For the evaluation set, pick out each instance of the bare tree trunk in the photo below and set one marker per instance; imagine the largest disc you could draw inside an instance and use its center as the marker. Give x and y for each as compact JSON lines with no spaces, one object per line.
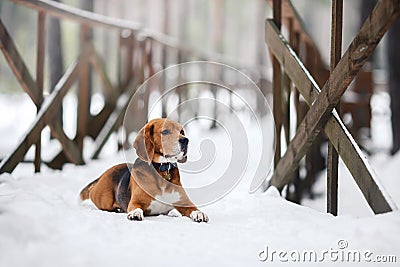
{"x":393,"y":54}
{"x":56,"y":64}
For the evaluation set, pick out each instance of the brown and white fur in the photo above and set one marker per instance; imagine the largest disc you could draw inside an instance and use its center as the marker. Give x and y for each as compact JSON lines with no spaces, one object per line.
{"x":123,"y":187}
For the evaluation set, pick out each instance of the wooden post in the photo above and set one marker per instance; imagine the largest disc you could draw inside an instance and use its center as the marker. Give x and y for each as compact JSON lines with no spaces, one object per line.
{"x":55,"y":56}
{"x":45,"y":115}
{"x":126,"y":47}
{"x":18,"y":66}
{"x":286,"y":84}
{"x":164,"y":64}
{"x":164,"y":60}
{"x":120,"y":54}
{"x":294,"y":40}
{"x":287,"y":91}
{"x":41,"y":37}
{"x":129,"y":64}
{"x":348,"y":149}
{"x":362,"y":46}
{"x":333,"y":158}
{"x":180,"y":89}
{"x":276,"y":82}
{"x":393,"y":54}
{"x":84,"y":90}
{"x":146,"y":63}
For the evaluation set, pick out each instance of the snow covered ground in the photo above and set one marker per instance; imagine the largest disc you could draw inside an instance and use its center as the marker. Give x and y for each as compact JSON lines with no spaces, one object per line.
{"x":42,"y":223}
{"x":386,"y":167}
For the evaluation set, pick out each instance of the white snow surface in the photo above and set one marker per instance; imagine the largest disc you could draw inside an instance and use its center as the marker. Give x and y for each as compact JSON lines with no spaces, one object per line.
{"x":42,"y":223}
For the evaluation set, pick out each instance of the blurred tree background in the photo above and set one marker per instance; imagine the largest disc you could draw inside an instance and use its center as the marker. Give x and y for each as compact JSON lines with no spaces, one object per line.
{"x":234,"y":28}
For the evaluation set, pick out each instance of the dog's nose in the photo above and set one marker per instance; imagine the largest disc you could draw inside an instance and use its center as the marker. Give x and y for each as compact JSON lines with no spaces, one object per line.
{"x":184,"y":141}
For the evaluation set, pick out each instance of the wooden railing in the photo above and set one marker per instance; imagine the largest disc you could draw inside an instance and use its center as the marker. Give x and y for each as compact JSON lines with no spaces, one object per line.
{"x":322,"y":101}
{"x":136,"y":51}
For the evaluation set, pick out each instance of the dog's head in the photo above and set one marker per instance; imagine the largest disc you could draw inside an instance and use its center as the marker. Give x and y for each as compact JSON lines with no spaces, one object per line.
{"x":161,"y":138}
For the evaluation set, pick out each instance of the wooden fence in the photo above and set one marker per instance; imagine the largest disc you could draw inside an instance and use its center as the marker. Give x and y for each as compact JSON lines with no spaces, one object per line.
{"x":136,"y":51}
{"x":322,"y":114}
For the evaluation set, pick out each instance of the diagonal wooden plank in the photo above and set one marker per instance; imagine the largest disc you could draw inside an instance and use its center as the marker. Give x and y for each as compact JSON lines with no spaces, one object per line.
{"x":96,"y":125}
{"x":70,"y":148}
{"x":97,"y":121}
{"x":99,"y":67}
{"x":18,"y":66}
{"x":45,"y":115}
{"x":354,"y":58}
{"x":116,"y":117}
{"x":351,"y":154}
{"x":290,"y":15}
{"x":124,"y":99}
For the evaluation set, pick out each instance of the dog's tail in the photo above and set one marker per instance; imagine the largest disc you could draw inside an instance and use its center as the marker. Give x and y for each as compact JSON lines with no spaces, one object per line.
{"x":85,"y":191}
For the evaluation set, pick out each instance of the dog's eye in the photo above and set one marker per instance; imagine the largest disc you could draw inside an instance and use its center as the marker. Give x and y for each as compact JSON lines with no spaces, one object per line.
{"x":165,"y":132}
{"x":182,"y":132}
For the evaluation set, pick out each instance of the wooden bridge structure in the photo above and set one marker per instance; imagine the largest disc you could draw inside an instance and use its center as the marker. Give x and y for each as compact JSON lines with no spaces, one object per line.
{"x":297,"y":69}
{"x":141,"y":53}
{"x":291,"y":73}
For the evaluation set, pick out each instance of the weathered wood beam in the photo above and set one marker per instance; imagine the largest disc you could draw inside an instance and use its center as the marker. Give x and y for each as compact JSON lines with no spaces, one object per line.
{"x":127,"y":45}
{"x":333,"y":158}
{"x":116,"y":117}
{"x":58,"y":161}
{"x":64,"y":11}
{"x":354,"y":58}
{"x":45,"y":115}
{"x":347,"y":147}
{"x":70,"y":148}
{"x":84,"y":91}
{"x":277,"y":86}
{"x":99,"y":67}
{"x":292,"y":64}
{"x":290,"y":15}
{"x":41,"y":41}
{"x":18,"y":66}
{"x":97,"y":121}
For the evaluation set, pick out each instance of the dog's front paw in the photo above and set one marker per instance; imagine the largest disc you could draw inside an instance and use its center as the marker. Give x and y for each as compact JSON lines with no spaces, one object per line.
{"x":135,"y":215}
{"x":198,"y":216}
{"x":174,"y":213}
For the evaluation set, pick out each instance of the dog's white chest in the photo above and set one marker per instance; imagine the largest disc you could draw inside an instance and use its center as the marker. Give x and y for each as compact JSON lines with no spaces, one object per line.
{"x":163,"y":203}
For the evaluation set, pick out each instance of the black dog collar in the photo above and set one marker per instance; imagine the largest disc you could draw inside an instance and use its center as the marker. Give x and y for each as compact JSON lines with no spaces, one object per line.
{"x":162,"y":167}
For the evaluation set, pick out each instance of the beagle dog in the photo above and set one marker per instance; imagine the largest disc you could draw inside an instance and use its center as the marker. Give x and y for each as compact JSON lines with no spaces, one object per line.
{"x":151,"y":185}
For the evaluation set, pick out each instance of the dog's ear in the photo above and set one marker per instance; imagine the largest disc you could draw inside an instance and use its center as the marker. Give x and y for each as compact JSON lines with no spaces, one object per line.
{"x":144,"y":144}
{"x":184,"y":159}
